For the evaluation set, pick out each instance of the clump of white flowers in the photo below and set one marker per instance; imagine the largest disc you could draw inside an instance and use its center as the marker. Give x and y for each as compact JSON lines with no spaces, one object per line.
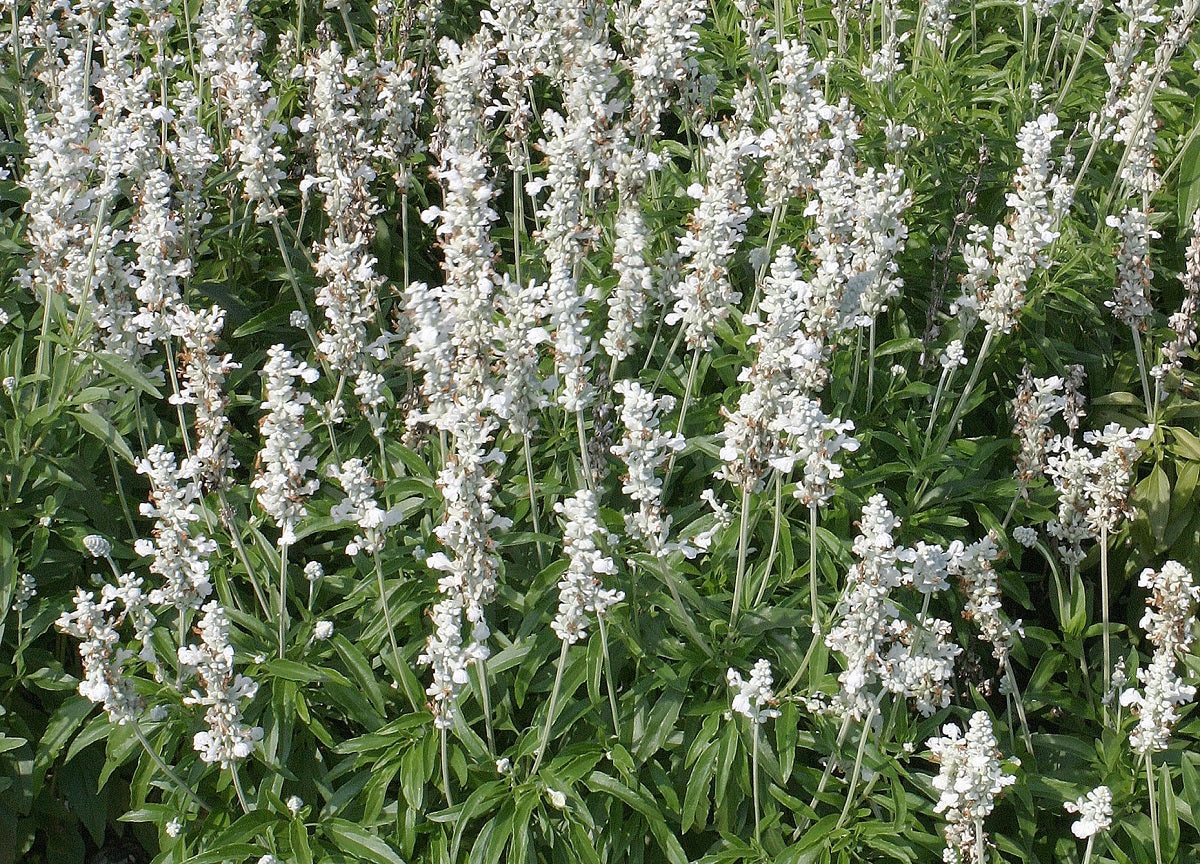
{"x":753,"y":696}
{"x":1168,"y":622}
{"x":581,"y":589}
{"x":1095,"y":812}
{"x":970,"y":779}
{"x":228,"y":738}
{"x":999,"y":267}
{"x":282,"y":481}
{"x":360,"y":507}
{"x":644,"y":448}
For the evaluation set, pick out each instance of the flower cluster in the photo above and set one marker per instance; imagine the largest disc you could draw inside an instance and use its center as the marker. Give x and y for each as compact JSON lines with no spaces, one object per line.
{"x":282,"y":481}
{"x":643,"y":449}
{"x":753,"y":697}
{"x":360,"y":507}
{"x":969,"y":780}
{"x":1095,"y":812}
{"x":228,"y":739}
{"x":581,"y":590}
{"x":1168,"y":622}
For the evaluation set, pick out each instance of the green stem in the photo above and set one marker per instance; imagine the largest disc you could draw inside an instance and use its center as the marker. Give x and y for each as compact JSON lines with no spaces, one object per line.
{"x":1153,"y":807}
{"x":558,"y":677}
{"x":283,"y":622}
{"x":533,"y":509}
{"x":446,"y":768}
{"x":1104,"y":611}
{"x":775,"y":531}
{"x":743,"y":542}
{"x":167,"y":770}
{"x":944,"y":438}
{"x":858,"y":760}
{"x":812,"y":568}
{"x":486,"y":697}
{"x":608,"y":677}
{"x":754,"y":780}
{"x":387,"y":614}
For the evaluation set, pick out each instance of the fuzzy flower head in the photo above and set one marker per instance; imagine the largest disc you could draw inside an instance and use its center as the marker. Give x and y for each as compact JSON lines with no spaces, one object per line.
{"x":753,"y":697}
{"x":969,"y":781}
{"x":1095,"y":812}
{"x":580,"y":589}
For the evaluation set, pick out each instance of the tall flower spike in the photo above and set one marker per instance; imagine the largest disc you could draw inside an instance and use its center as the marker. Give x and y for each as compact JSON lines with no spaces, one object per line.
{"x":581,"y":589}
{"x":970,"y":779}
{"x":1168,"y":622}
{"x":753,"y":697}
{"x":282,"y":481}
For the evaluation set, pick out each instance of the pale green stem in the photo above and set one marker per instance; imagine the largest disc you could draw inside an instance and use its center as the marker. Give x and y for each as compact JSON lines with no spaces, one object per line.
{"x":237,"y":787}
{"x":1104,"y":610}
{"x":775,"y":531}
{"x":1019,"y":703}
{"x":1153,"y":807}
{"x":858,"y":760}
{"x":962,"y":402}
{"x":486,"y":697}
{"x":754,"y":780}
{"x":558,"y":677}
{"x":1087,"y":852}
{"x":283,"y":622}
{"x":812,"y":568}
{"x":743,"y":542}
{"x":588,"y":479}
{"x":226,"y":516}
{"x":683,"y":409}
{"x":533,"y":508}
{"x":446,"y":768}
{"x":871,"y":367}
{"x":387,"y":612}
{"x":828,"y":772}
{"x":1141,"y":361}
{"x":167,"y":770}
{"x":980,"y":843}
{"x":608,"y":677}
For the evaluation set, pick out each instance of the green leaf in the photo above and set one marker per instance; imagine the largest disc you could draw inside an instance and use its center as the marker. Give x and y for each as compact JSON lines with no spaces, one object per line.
{"x":359,"y":842}
{"x":123,"y":370}
{"x":98,"y":427}
{"x":69,"y":716}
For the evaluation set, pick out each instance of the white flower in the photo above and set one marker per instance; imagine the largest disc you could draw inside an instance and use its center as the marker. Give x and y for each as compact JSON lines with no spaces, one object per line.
{"x":295,"y":804}
{"x":227,"y":739}
{"x":313,"y":571}
{"x":1169,"y":621}
{"x":970,"y":779}
{"x":174,"y":827}
{"x":359,"y":506}
{"x":1025,"y":535}
{"x":753,"y":697}
{"x":97,"y":546}
{"x":581,"y":590}
{"x":26,"y":591}
{"x":322,"y":630}
{"x":282,"y":481}
{"x":1095,"y":812}
{"x":557,"y":798}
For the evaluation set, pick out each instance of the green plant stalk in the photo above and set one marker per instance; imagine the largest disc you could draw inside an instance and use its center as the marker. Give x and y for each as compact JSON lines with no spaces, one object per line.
{"x":1153,"y":807}
{"x":237,"y":787}
{"x":824,"y":781}
{"x":683,"y":409}
{"x":485,"y":695}
{"x":743,"y":542}
{"x":812,"y":568}
{"x":1141,"y":361}
{"x":533,"y":510}
{"x":608,"y":676}
{"x":944,"y":438}
{"x":1104,"y":612}
{"x":754,"y":780}
{"x":558,"y":677}
{"x":444,"y":747}
{"x":775,"y":530}
{"x":387,"y":613}
{"x":980,"y":846}
{"x":871,"y":366}
{"x":283,"y":622}
{"x":226,"y":517}
{"x":1019,"y":703}
{"x":1087,"y":852}
{"x":167,"y":770}
{"x":858,"y":760}
{"x":588,"y":478}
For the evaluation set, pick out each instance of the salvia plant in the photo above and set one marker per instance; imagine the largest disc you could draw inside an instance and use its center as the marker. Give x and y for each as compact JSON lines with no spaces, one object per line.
{"x":599,"y":432}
